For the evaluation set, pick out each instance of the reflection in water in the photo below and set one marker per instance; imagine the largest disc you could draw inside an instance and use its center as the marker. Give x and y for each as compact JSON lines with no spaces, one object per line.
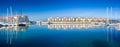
{"x":101,"y":37}
{"x":111,"y":32}
{"x":113,"y":35}
{"x":78,"y":26}
{"x":11,"y":32}
{"x":72,"y":26}
{"x":16,"y":28}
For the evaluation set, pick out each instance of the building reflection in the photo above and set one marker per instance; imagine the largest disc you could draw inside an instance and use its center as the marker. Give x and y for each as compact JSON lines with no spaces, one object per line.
{"x":71,"y":26}
{"x":79,"y":26}
{"x":111,"y":32}
{"x":12,"y":32}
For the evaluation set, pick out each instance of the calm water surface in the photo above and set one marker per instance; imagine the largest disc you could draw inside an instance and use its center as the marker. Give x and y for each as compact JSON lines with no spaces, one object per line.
{"x":44,"y":36}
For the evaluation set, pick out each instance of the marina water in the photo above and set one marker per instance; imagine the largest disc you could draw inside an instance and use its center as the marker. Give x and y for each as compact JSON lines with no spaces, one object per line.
{"x":43,"y":36}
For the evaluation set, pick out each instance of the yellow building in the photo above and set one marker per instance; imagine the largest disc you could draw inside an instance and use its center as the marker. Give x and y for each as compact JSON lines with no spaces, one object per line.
{"x":76,"y":20}
{"x":65,"y":19}
{"x":57,"y":19}
{"x":71,"y":19}
{"x":51,"y":19}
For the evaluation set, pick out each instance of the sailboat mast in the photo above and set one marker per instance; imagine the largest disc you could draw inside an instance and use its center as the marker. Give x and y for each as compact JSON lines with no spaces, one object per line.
{"x":7,"y":11}
{"x":11,"y":14}
{"x":21,"y":12}
{"x":7,"y":15}
{"x":107,"y":15}
{"x":10,"y":11}
{"x":16,"y":13}
{"x":111,"y":13}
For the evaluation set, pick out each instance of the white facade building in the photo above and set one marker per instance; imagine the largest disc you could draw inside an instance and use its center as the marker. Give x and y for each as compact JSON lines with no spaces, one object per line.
{"x":18,"y":19}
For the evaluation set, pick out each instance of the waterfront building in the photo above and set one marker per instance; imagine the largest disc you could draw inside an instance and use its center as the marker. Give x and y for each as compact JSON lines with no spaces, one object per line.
{"x":51,"y":19}
{"x":57,"y":19}
{"x":86,"y":20}
{"x":1,"y":19}
{"x":71,"y":19}
{"x":17,"y":19}
{"x":64,"y":19}
{"x":9,"y":19}
{"x":76,"y":20}
{"x":89,"y":19}
{"x":23,"y":19}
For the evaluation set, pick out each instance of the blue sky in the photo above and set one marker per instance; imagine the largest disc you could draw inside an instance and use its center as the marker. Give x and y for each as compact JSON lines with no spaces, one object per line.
{"x":42,"y":9}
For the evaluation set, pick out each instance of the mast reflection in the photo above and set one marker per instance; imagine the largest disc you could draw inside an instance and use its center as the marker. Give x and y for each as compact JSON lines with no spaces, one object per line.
{"x":12,"y":32}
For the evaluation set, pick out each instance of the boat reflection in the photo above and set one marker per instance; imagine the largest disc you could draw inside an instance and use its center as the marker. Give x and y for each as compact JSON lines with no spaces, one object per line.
{"x":14,"y":28}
